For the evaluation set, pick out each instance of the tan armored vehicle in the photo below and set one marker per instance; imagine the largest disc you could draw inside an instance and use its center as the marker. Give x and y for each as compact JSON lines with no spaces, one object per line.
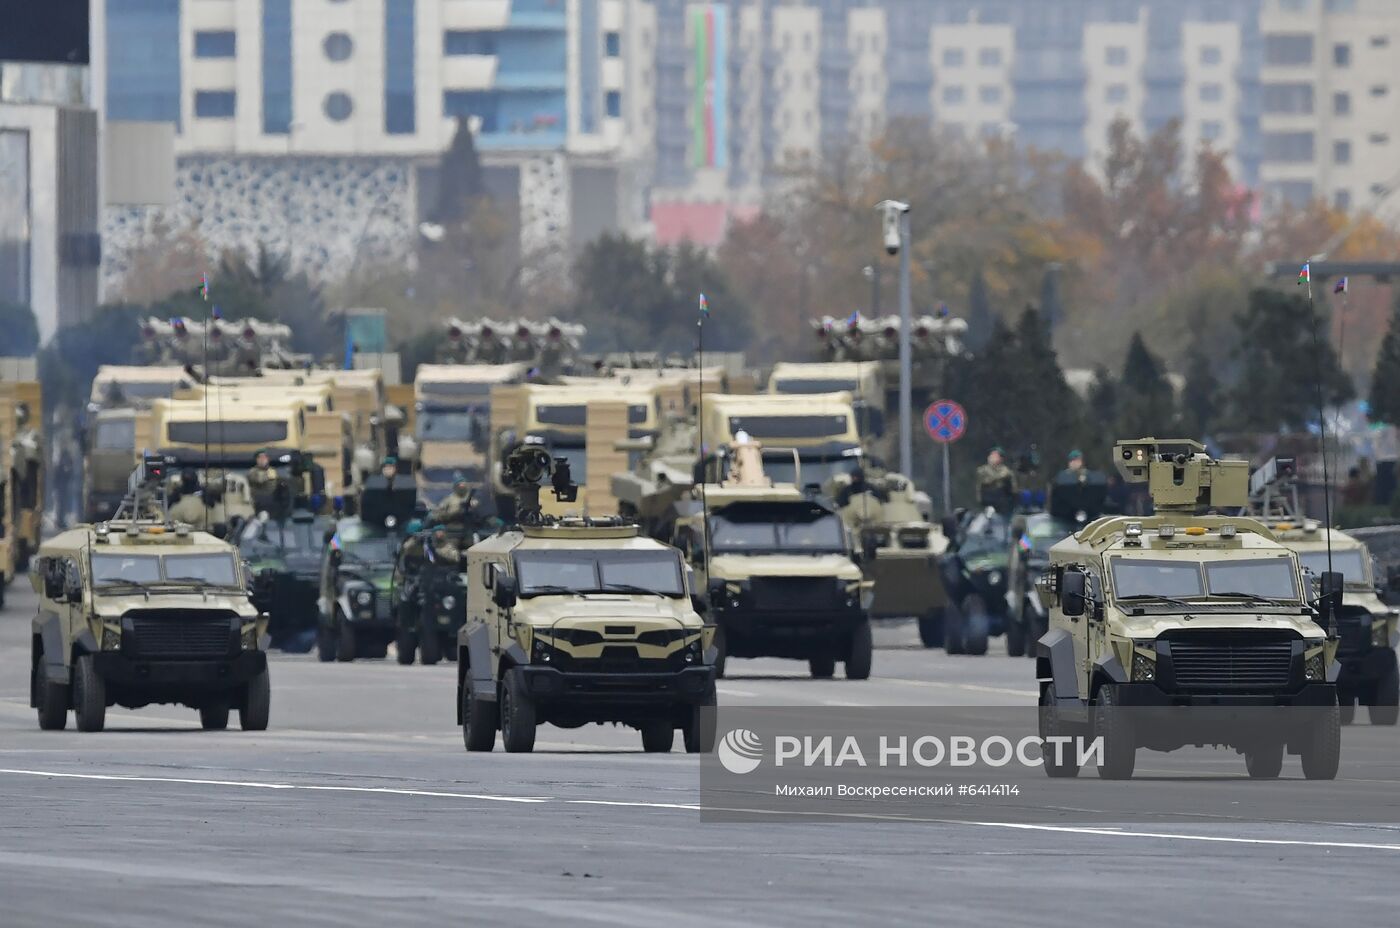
{"x":777,"y":570}
{"x":574,"y":621}
{"x":1184,"y":611}
{"x":119,"y":393}
{"x":452,"y":424}
{"x":141,"y":610}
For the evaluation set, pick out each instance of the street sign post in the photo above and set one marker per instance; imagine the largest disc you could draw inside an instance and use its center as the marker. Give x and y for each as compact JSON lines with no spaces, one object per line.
{"x":945,"y":421}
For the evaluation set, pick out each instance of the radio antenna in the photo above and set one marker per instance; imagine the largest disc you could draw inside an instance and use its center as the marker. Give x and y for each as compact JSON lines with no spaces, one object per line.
{"x":1305,"y":277}
{"x":700,"y":417}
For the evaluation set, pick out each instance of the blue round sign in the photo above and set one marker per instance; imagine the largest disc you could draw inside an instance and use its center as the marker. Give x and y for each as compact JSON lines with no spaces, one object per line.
{"x":945,"y":421}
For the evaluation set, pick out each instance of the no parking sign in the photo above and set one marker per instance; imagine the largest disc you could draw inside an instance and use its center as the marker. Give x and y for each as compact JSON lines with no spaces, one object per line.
{"x":945,"y":421}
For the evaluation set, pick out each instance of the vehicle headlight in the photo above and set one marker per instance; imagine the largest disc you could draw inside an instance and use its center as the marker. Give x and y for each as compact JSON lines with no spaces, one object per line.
{"x":364,"y":597}
{"x":993,"y":578}
{"x":1144,"y":668}
{"x":449,"y":601}
{"x":111,"y":637}
{"x":1380,"y":633}
{"x":249,"y":638}
{"x":1315,"y":667}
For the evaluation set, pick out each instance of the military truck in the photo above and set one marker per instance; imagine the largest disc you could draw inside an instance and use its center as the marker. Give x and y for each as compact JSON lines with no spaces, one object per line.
{"x":452,"y":424}
{"x":574,"y":620}
{"x":141,"y":610}
{"x":1183,"y":611}
{"x":109,"y":434}
{"x":776,"y":569}
{"x":814,"y":433}
{"x":1366,"y":626}
{"x":864,"y":380}
{"x":285,"y":558}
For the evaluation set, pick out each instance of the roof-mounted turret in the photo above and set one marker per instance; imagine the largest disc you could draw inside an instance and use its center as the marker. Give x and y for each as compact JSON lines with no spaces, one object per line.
{"x":1180,"y":475}
{"x":524,"y":470}
{"x":145,"y":499}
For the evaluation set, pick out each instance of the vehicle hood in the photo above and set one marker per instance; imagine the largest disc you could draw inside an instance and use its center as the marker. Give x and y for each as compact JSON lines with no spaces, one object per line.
{"x":739,"y":566}
{"x":113,"y":607}
{"x":646,"y":612}
{"x":1151,"y":626}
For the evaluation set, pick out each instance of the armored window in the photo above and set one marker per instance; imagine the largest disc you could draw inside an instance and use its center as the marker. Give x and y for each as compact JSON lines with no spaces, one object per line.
{"x":1272,"y":578}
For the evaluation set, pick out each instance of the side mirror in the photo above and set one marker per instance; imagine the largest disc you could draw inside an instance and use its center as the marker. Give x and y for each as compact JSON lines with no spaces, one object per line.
{"x":1329,"y":602}
{"x":1073,"y":593}
{"x":503,"y":594}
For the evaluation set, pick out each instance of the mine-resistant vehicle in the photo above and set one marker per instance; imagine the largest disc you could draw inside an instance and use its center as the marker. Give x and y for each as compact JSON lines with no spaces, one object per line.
{"x":284,"y":555}
{"x":777,"y":570}
{"x":452,"y":425}
{"x":1183,"y":628}
{"x":141,"y":610}
{"x":974,"y":574}
{"x":574,"y":620}
{"x":430,"y":597}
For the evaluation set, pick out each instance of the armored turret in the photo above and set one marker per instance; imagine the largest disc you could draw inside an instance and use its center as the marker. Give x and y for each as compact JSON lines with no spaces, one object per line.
{"x":1180,"y":475}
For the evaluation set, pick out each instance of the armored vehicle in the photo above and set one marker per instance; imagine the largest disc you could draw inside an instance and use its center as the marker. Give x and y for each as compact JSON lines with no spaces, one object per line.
{"x":1188,"y":615}
{"x":430,"y":596}
{"x":1366,"y":626}
{"x":974,"y":574}
{"x":777,"y":570}
{"x":815,"y":434}
{"x":571,"y":621}
{"x":452,"y":424}
{"x":141,"y":610}
{"x":285,"y":558}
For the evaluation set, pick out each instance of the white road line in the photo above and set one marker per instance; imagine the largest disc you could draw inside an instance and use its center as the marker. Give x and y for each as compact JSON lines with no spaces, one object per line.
{"x":731,"y":691}
{"x":1219,"y":839}
{"x":1032,"y":694}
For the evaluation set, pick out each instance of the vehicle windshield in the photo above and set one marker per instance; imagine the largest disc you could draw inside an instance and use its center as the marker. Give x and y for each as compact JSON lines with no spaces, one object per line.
{"x":828,"y":385}
{"x":776,"y":528}
{"x":1043,"y":531}
{"x":215,"y":569}
{"x":368,"y":549}
{"x":984,"y":535}
{"x":782,"y":469}
{"x":229,"y":431}
{"x":289,"y":536}
{"x":544,"y":572}
{"x":765,"y":428}
{"x":1350,"y":563}
{"x":115,"y":434}
{"x":1267,"y":578}
{"x":454,"y":388}
{"x":119,"y":568}
{"x":452,"y":425}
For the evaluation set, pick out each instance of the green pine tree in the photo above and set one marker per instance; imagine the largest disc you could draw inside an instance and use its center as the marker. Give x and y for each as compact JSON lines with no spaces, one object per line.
{"x":1282,"y":356}
{"x":1201,"y":397}
{"x":1385,"y":381}
{"x":1147,"y":405}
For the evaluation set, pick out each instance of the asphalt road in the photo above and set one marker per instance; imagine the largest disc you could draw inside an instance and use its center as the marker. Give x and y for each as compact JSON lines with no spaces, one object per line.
{"x":359,"y":807}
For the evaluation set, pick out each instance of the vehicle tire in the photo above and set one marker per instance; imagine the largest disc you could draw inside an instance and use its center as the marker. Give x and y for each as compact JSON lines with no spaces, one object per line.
{"x":975,"y":625}
{"x":1385,"y":706}
{"x":699,"y":737}
{"x":257,"y":703}
{"x":51,"y":700}
{"x":1015,"y":637}
{"x":89,"y":695}
{"x":1266,"y":762}
{"x":517,"y":716}
{"x":1119,"y":749}
{"x":1049,"y":726}
{"x":931,"y":629}
{"x":823,"y":667}
{"x":405,"y":644}
{"x":1346,"y":711}
{"x":861,"y":654}
{"x":1322,"y":749}
{"x":429,"y":645}
{"x":213,"y":715}
{"x":344,"y":642}
{"x":953,"y":630}
{"x":478,"y":719}
{"x":325,"y":644}
{"x":721,"y":651}
{"x":658,"y":737}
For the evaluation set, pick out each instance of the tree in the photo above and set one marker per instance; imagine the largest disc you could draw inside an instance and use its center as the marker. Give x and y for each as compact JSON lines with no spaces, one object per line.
{"x":19,"y":331}
{"x":1385,"y":382}
{"x":1201,"y":396}
{"x":1282,"y":358}
{"x":263,"y":287}
{"x":981,"y":319}
{"x":69,"y":362}
{"x":1146,"y":403}
{"x":1103,"y":396}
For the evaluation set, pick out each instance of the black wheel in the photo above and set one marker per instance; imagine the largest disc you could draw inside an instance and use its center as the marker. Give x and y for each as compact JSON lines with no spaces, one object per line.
{"x":478,"y":719}
{"x":975,"y":625}
{"x":1114,"y":727}
{"x":325,"y":644}
{"x":344,"y":641}
{"x":1385,"y":705}
{"x":1061,"y":763}
{"x":429,"y":644}
{"x":699,"y":731}
{"x":405,"y":644}
{"x":931,"y":629}
{"x":953,"y":630}
{"x":822,"y":667}
{"x":1265,"y":762}
{"x":721,"y":651}
{"x":89,"y":695}
{"x":1015,"y":637}
{"x":1322,"y":748}
{"x":517,"y":716}
{"x":213,"y":715}
{"x":51,"y":699}
{"x":657,"y":737}
{"x":861,"y":654}
{"x":253,"y":712}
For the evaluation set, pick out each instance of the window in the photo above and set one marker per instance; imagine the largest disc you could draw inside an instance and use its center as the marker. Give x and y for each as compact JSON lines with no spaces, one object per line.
{"x":1210,"y":54}
{"x":1341,"y":104}
{"x":1211,"y":130}
{"x":989,"y":93}
{"x":1288,"y":98}
{"x":612,"y":45}
{"x":399,"y":91}
{"x":953,"y":58}
{"x":462,"y":42}
{"x":215,"y":44}
{"x":214,"y":104}
{"x":143,"y":63}
{"x":989,"y":57}
{"x":1341,"y":199}
{"x":1341,"y":152}
{"x":614,"y":104}
{"x":338,"y":46}
{"x":1293,"y":6}
{"x":1212,"y":93}
{"x":1116,"y":93}
{"x":1379,"y":138}
{"x":1292,"y":192}
{"x":1379,"y":90}
{"x":1380,"y":41}
{"x":1295,"y":147}
{"x":1341,"y":55}
{"x":1115,"y":56}
{"x":277,"y":66}
{"x":1288,"y":50}
{"x":338,"y":106}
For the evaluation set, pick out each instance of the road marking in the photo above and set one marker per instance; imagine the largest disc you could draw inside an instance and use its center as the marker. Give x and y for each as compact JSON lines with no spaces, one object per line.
{"x":731,"y":691}
{"x":961,"y":686}
{"x":1176,"y":836}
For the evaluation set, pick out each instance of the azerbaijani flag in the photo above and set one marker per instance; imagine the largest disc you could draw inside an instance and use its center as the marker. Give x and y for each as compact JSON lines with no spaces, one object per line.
{"x":709,"y":108}
{"x":1341,"y":286}
{"x":1305,"y":274}
{"x":204,"y":286}
{"x":704,"y":306}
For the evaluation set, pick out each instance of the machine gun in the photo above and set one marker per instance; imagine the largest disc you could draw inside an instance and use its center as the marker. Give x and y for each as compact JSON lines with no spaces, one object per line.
{"x":524,"y":470}
{"x":1273,"y":491}
{"x":146,"y":497}
{"x":1180,"y":475}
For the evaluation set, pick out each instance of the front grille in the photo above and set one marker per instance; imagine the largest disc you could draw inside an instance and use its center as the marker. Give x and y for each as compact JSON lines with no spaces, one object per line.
{"x":1353,"y":631}
{"x":182,"y":636}
{"x":793,"y":594}
{"x":1232,"y":664}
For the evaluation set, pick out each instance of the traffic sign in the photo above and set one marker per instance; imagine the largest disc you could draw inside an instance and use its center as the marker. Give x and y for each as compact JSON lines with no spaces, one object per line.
{"x":945,"y":421}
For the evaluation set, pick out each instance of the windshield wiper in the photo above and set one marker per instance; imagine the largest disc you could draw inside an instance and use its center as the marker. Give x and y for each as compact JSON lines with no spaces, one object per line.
{"x":1254,"y":598}
{"x":535,"y":589}
{"x":631,"y":588}
{"x":1144,"y":597}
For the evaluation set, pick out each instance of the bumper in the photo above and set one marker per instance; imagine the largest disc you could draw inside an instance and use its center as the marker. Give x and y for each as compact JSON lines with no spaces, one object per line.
{"x":770,"y":633}
{"x":690,"y":686}
{"x":1149,"y":695}
{"x":180,"y":675}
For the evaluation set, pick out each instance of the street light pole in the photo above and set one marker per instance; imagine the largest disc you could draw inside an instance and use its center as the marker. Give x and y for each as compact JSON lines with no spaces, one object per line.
{"x":906,"y":360}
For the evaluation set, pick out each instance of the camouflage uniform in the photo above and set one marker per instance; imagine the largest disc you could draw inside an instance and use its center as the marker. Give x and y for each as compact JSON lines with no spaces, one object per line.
{"x":445,"y":552}
{"x":996,"y":486}
{"x":453,"y":510}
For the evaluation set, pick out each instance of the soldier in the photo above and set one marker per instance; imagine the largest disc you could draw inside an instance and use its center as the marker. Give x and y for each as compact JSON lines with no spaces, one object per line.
{"x":1074,"y":468}
{"x":996,"y":484}
{"x":454,"y":350}
{"x":490,"y":347}
{"x":263,"y":481}
{"x":189,"y":504}
{"x":455,"y":509}
{"x":442,"y":551}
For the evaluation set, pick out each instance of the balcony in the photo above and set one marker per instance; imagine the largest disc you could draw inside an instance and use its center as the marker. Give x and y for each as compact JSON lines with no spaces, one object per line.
{"x":521,"y":141}
{"x":538,"y":20}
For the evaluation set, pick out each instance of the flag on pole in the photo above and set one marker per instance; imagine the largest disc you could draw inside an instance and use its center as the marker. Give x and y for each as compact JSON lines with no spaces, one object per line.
{"x":1305,"y":275}
{"x":218,"y":313}
{"x":1341,"y":286}
{"x":704,"y":306}
{"x":204,"y":286}
{"x":853,"y":319}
